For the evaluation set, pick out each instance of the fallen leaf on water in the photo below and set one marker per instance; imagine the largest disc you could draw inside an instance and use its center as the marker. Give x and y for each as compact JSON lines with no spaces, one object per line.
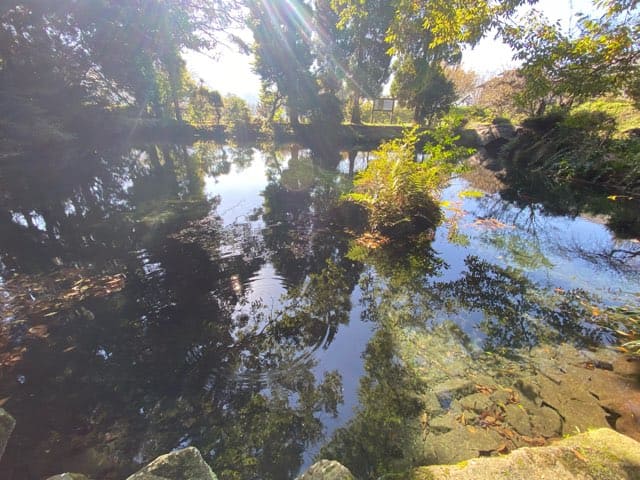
{"x":491,"y":223}
{"x":580,"y":456}
{"x":4,"y":400}
{"x":623,"y":334}
{"x":69,"y":349}
{"x":462,"y":419}
{"x":484,"y":389}
{"x":39,"y":331}
{"x":535,"y":441}
{"x":424,"y":420}
{"x":506,"y":432}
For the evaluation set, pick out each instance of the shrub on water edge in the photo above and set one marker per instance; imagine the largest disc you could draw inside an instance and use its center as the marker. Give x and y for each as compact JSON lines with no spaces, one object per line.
{"x":399,"y":187}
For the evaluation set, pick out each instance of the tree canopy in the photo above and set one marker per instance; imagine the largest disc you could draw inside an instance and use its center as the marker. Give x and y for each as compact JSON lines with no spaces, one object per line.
{"x":314,"y":57}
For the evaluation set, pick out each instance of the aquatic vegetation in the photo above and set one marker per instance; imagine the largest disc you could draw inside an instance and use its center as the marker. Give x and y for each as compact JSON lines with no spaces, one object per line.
{"x":399,"y":187}
{"x":624,"y":322}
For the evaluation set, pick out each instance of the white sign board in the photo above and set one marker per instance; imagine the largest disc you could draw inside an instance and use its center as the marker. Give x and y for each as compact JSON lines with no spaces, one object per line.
{"x":383,"y":104}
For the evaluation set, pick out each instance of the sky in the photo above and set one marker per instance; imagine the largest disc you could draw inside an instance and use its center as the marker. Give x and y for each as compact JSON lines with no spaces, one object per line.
{"x":231,"y":71}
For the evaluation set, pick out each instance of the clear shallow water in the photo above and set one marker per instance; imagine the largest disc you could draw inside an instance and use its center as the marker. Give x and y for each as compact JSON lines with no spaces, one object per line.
{"x":168,"y":295}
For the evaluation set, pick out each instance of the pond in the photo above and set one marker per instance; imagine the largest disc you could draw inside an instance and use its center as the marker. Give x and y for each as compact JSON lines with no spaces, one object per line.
{"x":159,"y":296}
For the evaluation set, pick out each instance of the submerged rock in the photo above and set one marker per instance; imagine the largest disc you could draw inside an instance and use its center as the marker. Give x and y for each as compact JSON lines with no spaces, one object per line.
{"x":7,"y":424}
{"x":327,"y":470}
{"x":479,"y":405}
{"x":599,"y":454}
{"x":185,"y":464}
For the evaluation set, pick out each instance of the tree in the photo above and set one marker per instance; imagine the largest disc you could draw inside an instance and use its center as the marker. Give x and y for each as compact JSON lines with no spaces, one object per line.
{"x":424,"y":87}
{"x":465,"y":83}
{"x":282,"y":51}
{"x":61,"y":57}
{"x":359,"y":46}
{"x":419,"y":81}
{"x":236,"y":116}
{"x":501,"y":94}
{"x":603,"y":57}
{"x":205,"y":106}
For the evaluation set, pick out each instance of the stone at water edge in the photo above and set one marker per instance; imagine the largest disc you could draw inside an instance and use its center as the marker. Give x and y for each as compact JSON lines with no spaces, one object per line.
{"x":185,"y":464}
{"x":69,"y":476}
{"x":327,"y":470}
{"x":7,"y":424}
{"x":601,"y":454}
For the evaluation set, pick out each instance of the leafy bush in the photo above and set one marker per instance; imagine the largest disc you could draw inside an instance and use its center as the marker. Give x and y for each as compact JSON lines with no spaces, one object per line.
{"x":398,"y":187}
{"x":582,"y":146}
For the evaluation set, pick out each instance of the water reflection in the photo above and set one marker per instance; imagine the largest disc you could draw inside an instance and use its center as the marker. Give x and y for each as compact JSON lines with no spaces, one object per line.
{"x":179,"y":353}
{"x":159,"y":296}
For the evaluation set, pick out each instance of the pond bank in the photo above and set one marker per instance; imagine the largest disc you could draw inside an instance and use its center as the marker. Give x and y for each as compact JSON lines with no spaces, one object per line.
{"x":599,"y":454}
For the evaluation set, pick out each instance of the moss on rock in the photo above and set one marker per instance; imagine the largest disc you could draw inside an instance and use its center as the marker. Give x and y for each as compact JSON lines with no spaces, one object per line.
{"x":601,"y":454}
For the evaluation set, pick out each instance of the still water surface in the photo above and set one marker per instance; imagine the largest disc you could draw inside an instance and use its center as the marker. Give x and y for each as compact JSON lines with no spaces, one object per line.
{"x":161,"y":296}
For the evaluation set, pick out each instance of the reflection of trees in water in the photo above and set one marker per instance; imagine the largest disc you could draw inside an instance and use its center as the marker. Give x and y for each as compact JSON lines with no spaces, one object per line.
{"x":572,"y":200}
{"x":417,"y":341}
{"x":298,"y":210}
{"x":529,"y":208}
{"x":168,"y":360}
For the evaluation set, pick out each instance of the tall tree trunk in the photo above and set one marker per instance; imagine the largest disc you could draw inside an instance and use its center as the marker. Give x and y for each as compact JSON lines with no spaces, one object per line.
{"x":293,"y":116}
{"x":356,"y":113}
{"x":174,"y":86}
{"x":352,"y":161}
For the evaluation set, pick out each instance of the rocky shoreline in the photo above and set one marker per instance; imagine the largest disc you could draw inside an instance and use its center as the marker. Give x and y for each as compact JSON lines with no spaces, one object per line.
{"x":477,"y":426}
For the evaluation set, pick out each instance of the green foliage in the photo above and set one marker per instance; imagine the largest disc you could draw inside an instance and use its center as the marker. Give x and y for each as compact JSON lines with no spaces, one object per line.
{"x":626,"y":115}
{"x":283,"y":52}
{"x":205,"y":107}
{"x":442,"y":148}
{"x":397,"y":191}
{"x":360,"y":47}
{"x":63,"y":57}
{"x":564,"y":68}
{"x":236,"y":116}
{"x":422,"y":86}
{"x":579,"y":146}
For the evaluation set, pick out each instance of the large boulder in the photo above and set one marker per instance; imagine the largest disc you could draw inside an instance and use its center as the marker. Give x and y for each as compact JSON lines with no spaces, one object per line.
{"x":485,"y":135}
{"x":601,"y":454}
{"x":185,"y":464}
{"x":327,"y":470}
{"x":7,"y":424}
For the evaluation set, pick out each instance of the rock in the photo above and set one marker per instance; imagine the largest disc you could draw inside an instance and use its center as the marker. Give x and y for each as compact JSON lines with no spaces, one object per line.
{"x":185,"y":464}
{"x":601,"y":454}
{"x":528,"y":389}
{"x":462,"y":443}
{"x":453,"y":389}
{"x":518,"y":419}
{"x":484,"y":135}
{"x":546,"y":422}
{"x":69,"y":476}
{"x":443,"y":423}
{"x":476,"y":402}
{"x":327,"y":470}
{"x":7,"y":424}
{"x":578,"y":408}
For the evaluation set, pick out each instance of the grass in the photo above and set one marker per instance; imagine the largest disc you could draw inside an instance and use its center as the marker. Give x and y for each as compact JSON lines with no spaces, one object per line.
{"x":622,"y":110}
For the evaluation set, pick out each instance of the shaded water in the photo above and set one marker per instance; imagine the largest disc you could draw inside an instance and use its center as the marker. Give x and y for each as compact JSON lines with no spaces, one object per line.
{"x":167,"y":295}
